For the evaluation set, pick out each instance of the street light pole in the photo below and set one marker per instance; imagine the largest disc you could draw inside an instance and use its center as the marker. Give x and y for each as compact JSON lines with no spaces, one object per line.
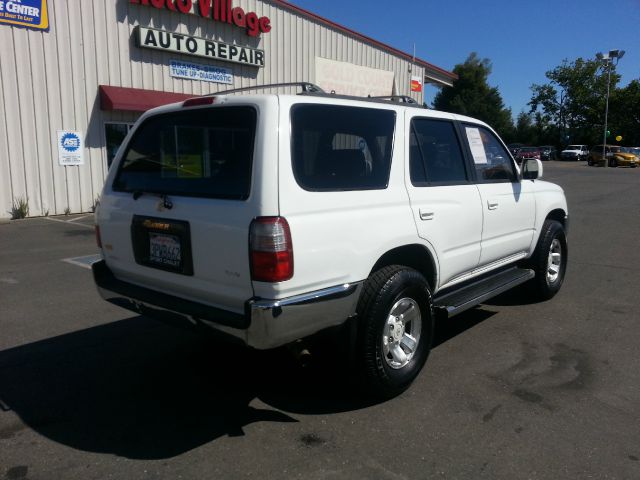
{"x":607,"y":58}
{"x":606,"y":115}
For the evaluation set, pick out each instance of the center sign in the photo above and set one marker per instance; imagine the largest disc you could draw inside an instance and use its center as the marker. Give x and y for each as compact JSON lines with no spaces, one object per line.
{"x":198,"y":47}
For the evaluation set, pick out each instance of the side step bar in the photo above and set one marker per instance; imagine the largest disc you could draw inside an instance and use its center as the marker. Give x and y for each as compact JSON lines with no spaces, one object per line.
{"x":469,"y":295}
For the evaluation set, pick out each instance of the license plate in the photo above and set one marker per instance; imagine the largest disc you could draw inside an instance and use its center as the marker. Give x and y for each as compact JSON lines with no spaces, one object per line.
{"x":165,"y":249}
{"x":162,"y":243}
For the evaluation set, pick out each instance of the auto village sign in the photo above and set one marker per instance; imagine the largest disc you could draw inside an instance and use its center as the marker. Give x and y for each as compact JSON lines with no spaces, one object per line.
{"x":215,"y":10}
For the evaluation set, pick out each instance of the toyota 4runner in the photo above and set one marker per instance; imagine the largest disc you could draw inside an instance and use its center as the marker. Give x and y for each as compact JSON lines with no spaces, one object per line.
{"x":272,"y":217}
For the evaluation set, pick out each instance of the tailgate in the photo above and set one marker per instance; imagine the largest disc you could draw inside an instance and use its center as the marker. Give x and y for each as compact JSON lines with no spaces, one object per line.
{"x":175,"y":215}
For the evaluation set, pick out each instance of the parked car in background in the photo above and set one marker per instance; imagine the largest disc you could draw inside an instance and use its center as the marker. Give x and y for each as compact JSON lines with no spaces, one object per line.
{"x":633,"y":150}
{"x":575,"y":152}
{"x":548,"y":152}
{"x":526,"y":153}
{"x":614,"y":155}
{"x":514,"y":148}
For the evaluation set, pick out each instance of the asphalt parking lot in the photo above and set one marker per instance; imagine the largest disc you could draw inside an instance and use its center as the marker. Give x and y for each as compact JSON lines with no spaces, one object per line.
{"x":511,"y":390}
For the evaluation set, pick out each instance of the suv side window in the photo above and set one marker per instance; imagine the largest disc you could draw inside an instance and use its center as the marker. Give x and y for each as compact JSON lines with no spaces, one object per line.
{"x":435,"y":156}
{"x":493,"y":162}
{"x":340,"y":148}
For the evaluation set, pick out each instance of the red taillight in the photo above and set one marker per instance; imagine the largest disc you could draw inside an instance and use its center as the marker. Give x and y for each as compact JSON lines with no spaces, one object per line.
{"x":98,"y":239}
{"x":198,"y":101}
{"x":271,"y":250}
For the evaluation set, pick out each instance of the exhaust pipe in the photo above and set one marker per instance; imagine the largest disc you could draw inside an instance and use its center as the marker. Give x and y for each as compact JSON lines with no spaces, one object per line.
{"x":301,"y":353}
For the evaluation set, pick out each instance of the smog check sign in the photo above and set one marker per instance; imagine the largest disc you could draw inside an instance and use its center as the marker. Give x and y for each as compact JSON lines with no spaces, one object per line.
{"x":31,"y":14}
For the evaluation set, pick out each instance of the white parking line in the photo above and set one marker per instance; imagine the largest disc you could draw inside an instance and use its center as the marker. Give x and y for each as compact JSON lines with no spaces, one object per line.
{"x":84,"y":262}
{"x":68,"y":221}
{"x":79,"y":218}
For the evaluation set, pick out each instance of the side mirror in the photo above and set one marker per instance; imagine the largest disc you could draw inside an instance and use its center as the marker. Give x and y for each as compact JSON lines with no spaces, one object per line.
{"x":532,"y":169}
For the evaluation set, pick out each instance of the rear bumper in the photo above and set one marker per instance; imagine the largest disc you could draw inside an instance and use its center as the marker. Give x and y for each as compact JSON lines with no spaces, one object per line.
{"x":264,"y":323}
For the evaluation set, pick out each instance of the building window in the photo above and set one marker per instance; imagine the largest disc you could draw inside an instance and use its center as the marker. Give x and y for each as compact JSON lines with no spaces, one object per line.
{"x":115,"y":134}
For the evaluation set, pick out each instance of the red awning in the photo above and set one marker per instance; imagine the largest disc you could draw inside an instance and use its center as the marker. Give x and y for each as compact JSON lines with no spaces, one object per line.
{"x":136,"y":99}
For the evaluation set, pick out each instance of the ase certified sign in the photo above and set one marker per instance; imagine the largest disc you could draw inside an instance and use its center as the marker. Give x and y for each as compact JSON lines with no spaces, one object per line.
{"x":70,"y":148}
{"x":199,"y":47}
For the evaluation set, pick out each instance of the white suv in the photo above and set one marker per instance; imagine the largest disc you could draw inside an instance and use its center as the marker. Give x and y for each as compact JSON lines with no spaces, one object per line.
{"x":272,"y":217}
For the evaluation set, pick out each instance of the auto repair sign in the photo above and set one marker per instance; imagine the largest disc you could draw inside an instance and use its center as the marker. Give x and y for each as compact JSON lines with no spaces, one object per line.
{"x":31,"y":14}
{"x":174,"y":42}
{"x":70,"y":148}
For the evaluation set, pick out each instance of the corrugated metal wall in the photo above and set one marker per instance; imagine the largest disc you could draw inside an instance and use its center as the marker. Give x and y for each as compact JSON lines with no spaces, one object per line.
{"x":49,"y":82}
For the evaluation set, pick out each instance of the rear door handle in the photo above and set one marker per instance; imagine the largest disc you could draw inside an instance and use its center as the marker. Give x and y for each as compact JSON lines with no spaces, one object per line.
{"x":492,"y":204}
{"x":426,"y":215}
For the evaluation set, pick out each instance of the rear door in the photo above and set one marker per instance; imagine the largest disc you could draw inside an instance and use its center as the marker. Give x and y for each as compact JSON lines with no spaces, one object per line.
{"x":445,"y":202}
{"x":175,"y":213}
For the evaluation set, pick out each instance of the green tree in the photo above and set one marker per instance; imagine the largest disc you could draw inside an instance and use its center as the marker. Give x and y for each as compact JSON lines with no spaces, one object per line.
{"x":535,"y":129}
{"x":525,"y":129}
{"x":624,"y":114}
{"x":471,"y":95}
{"x":573,"y":101}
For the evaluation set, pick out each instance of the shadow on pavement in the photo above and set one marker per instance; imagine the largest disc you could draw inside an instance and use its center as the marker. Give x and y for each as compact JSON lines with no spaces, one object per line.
{"x":446,"y":329}
{"x":135,"y":388}
{"x":515,"y":296}
{"x":141,"y":389}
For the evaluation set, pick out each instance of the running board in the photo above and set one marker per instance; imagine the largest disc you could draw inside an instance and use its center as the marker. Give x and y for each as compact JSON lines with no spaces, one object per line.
{"x":471,"y":294}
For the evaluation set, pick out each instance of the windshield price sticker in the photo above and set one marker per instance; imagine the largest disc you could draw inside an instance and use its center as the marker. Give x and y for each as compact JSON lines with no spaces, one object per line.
{"x":476,"y":145}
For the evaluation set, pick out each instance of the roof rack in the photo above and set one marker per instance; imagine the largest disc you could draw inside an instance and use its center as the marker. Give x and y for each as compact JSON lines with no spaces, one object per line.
{"x":396,"y":98}
{"x":311,"y":89}
{"x":306,"y":88}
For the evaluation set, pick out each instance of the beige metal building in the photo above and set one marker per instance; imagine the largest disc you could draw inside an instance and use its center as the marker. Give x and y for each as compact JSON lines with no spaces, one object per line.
{"x":75,"y":74}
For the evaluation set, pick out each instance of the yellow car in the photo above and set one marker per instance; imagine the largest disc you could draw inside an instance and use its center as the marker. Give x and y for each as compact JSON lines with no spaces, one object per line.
{"x":616,"y":157}
{"x":634,"y":150}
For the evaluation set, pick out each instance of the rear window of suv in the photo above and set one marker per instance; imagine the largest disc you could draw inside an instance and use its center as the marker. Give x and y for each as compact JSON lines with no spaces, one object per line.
{"x":338,"y":148}
{"x":195,"y":153}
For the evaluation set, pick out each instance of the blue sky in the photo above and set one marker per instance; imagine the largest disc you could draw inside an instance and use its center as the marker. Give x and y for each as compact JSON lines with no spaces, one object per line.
{"x":523,"y":39}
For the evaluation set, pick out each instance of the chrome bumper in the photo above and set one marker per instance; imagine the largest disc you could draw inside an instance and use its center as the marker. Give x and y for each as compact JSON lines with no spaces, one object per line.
{"x":264,"y":324}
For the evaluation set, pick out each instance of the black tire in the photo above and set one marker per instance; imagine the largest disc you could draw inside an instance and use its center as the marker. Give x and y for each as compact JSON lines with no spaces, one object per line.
{"x":383,"y":290}
{"x":542,"y":286}
{"x":590,"y":162}
{"x":613,"y":163}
